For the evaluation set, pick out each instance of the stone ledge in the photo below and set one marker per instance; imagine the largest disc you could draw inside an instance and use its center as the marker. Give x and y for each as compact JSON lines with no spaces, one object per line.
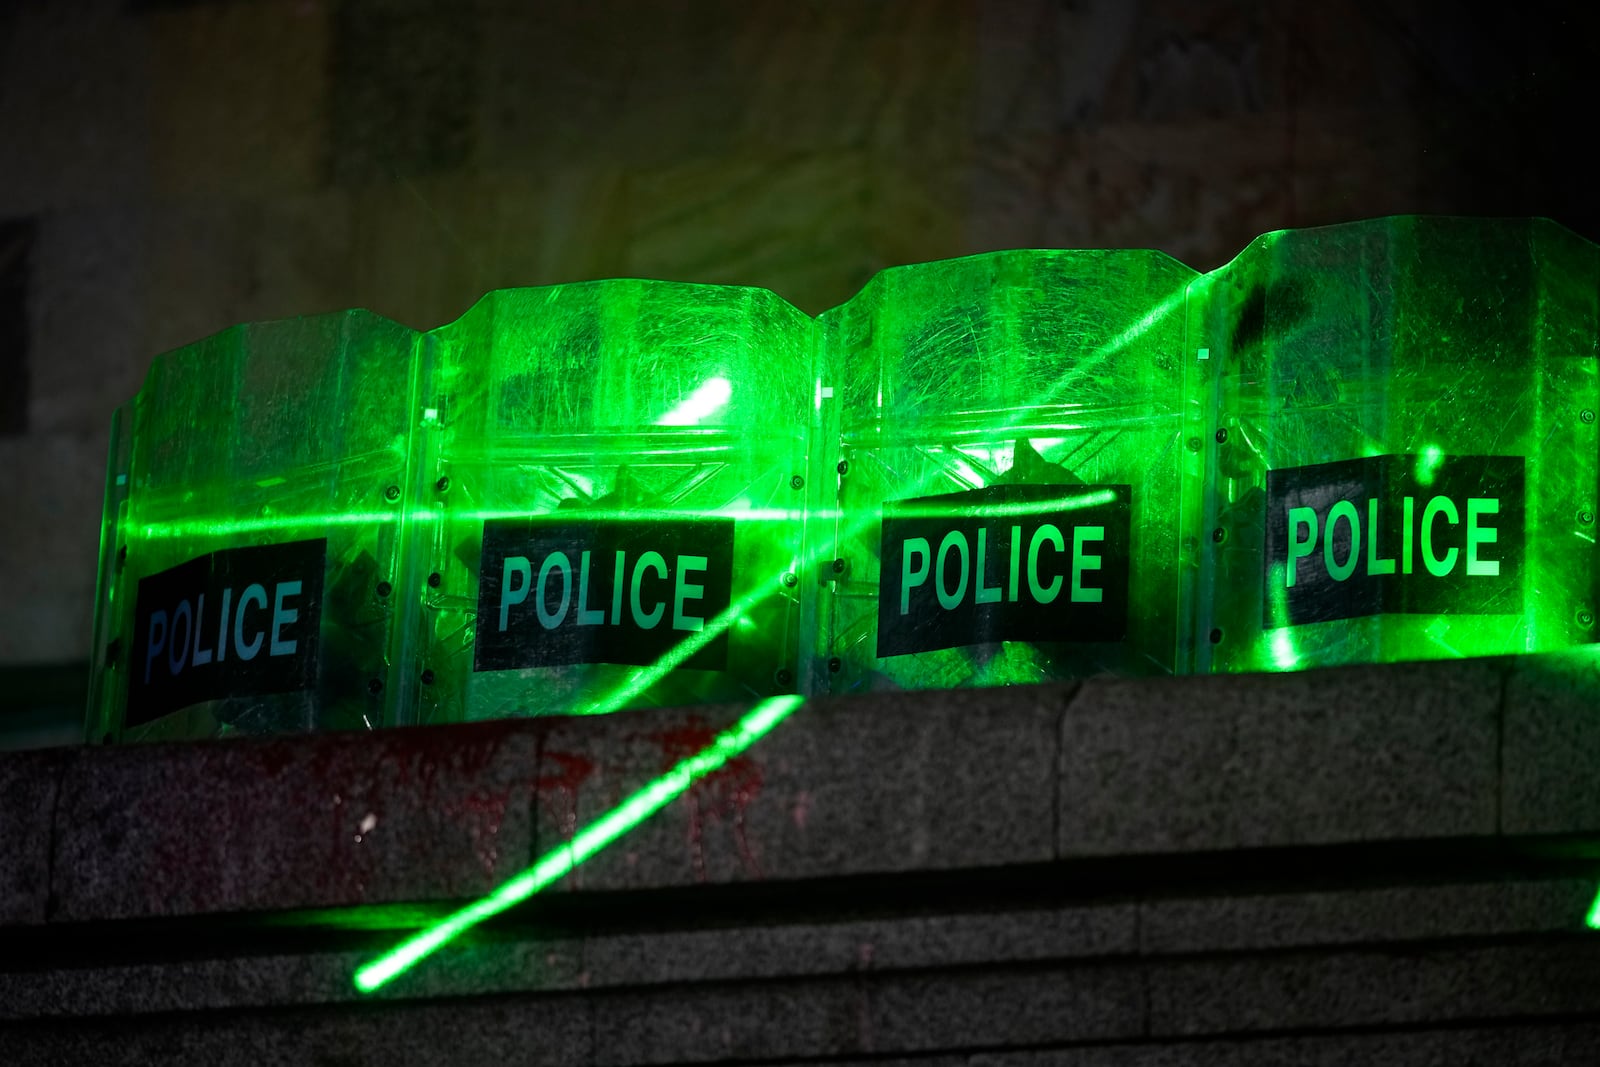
{"x":1241,"y":761}
{"x":30,"y":784}
{"x":259,"y":825}
{"x":874,"y":785}
{"x":1251,"y":933}
{"x":1280,"y":997}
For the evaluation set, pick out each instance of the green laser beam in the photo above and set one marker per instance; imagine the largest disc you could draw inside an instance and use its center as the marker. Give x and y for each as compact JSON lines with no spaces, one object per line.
{"x":211,"y":528}
{"x":1592,"y":920}
{"x":643,"y":678}
{"x":221,"y":528}
{"x":954,"y":510}
{"x":560,"y":861}
{"x":1112,"y":346}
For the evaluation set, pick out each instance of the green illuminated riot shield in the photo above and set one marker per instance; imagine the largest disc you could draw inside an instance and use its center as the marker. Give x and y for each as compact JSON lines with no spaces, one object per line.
{"x":252,"y":534}
{"x":615,"y":514}
{"x":1399,"y":444}
{"x":1005,"y":501}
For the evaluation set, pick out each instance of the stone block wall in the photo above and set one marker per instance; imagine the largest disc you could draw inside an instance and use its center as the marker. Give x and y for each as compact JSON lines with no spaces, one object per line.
{"x":1109,"y":873}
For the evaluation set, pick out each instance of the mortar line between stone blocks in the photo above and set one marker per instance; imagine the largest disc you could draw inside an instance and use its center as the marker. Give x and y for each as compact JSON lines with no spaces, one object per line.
{"x":52,"y":899}
{"x":533,"y":801}
{"x":593,"y":1057}
{"x":1059,"y":769}
{"x":1500,"y":753}
{"x":1178,"y":1041}
{"x":1146,"y":980}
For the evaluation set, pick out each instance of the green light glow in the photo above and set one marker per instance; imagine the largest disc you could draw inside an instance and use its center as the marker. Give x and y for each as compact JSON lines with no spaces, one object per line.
{"x":1285,"y":657}
{"x":1425,"y":338}
{"x":635,"y":401}
{"x":1428,"y":461}
{"x":1019,"y":368}
{"x":484,"y":449}
{"x":225,"y":529}
{"x":701,"y":404}
{"x":1436,"y":630}
{"x":645,"y":677}
{"x":642,"y":679}
{"x":1007,"y":511}
{"x":560,"y":861}
{"x":1592,"y":920}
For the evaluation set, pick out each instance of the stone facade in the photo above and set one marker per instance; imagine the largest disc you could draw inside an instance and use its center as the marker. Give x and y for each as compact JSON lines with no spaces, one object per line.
{"x":1366,"y":865}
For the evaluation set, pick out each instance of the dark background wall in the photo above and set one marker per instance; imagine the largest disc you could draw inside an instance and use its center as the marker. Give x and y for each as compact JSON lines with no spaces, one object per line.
{"x":168,"y":169}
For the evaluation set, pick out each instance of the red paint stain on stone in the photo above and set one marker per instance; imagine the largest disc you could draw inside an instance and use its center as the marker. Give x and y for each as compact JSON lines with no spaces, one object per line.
{"x":802,"y":809}
{"x":280,"y":822}
{"x":446,"y":775}
{"x":481,"y":812}
{"x":723,"y":795}
{"x":561,"y":775}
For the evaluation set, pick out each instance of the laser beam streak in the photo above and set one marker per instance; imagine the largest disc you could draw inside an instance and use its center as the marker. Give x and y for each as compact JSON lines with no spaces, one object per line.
{"x":647,"y":676}
{"x":1006,"y":511}
{"x":704,"y":402}
{"x":560,"y":861}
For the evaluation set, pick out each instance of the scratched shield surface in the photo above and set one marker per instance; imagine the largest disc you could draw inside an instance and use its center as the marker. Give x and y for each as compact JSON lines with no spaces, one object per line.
{"x":1408,"y":347}
{"x":615,"y":475}
{"x":265,"y":436}
{"x":1011,"y":379}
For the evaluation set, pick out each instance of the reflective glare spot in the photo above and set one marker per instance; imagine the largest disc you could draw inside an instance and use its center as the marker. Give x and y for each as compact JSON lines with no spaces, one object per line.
{"x":1428,"y":461}
{"x":1284,"y":656}
{"x":707,"y":400}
